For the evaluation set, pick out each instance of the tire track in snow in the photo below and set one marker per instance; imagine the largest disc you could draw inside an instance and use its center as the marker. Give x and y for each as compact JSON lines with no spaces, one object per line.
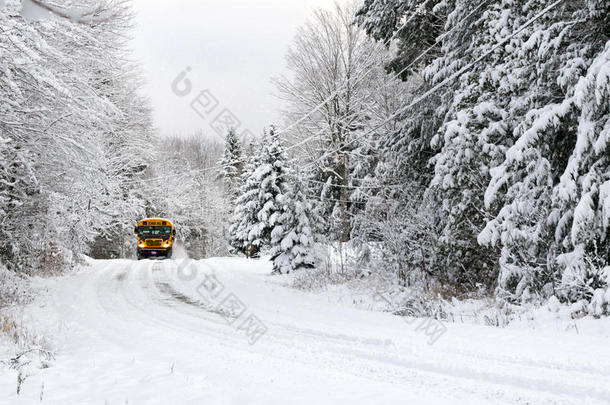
{"x":151,"y":300}
{"x":528,"y":376}
{"x":156,"y":308}
{"x":351,"y":347}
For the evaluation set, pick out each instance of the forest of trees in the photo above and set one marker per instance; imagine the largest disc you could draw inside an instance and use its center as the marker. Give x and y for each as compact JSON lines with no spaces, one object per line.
{"x":508,"y":142}
{"x":468,"y":141}
{"x":80,"y":161}
{"x":73,"y":132}
{"x":458,"y":146}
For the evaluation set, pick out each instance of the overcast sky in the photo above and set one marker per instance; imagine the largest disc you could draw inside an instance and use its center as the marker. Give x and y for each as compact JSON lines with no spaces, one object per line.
{"x":233,"y":48}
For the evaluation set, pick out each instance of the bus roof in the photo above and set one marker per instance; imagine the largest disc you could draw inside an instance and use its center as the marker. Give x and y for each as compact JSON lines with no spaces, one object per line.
{"x":155,"y":222}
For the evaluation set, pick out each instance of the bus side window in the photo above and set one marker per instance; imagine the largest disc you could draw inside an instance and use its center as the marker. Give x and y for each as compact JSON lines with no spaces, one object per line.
{"x":135,"y":230}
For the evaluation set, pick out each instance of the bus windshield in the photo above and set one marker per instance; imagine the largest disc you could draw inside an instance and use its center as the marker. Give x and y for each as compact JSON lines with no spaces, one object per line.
{"x":154,"y":230}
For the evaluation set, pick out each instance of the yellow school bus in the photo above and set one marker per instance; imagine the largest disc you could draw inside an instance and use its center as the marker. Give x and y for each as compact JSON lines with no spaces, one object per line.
{"x":155,"y":237}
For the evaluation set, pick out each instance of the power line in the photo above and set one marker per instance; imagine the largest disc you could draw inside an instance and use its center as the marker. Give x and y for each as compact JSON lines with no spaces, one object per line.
{"x":393,"y":77}
{"x":345,"y":82}
{"x":443,"y":83}
{"x":328,"y":99}
{"x":427,"y":93}
{"x":355,"y":187}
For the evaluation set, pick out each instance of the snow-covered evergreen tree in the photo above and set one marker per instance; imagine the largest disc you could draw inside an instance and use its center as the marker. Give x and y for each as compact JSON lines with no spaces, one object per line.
{"x":445,"y":127}
{"x":291,"y":237}
{"x":519,"y":150}
{"x":264,"y":182}
{"x":475,"y":135}
{"x":247,"y":206}
{"x":551,"y":224}
{"x":231,"y":162}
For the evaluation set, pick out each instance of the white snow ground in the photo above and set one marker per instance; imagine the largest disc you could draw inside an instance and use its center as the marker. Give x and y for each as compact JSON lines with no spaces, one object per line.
{"x":145,"y":332}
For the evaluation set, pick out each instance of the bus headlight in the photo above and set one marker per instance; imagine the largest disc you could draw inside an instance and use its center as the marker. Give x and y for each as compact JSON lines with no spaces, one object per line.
{"x":166,"y":245}
{"x":141,"y":244}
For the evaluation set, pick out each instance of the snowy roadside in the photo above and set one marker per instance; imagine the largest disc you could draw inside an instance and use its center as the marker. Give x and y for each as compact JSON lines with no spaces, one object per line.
{"x":336,"y":282}
{"x":140,"y":332}
{"x":359,"y":293}
{"x":26,"y":345}
{"x":23,"y":348}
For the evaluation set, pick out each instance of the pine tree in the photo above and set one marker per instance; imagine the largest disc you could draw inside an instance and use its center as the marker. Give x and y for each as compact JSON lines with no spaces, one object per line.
{"x":475,"y":135}
{"x":246,"y":206}
{"x":520,"y":139}
{"x":292,"y":237}
{"x":231,"y":163}
{"x":457,"y":126}
{"x":551,"y":184}
{"x":264,"y":183}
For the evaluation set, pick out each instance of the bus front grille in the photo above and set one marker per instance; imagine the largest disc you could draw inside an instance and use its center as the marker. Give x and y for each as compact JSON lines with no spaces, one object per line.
{"x":153,"y":242}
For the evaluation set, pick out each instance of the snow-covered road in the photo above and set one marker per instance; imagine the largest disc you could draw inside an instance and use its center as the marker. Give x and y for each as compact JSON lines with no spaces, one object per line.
{"x":146,"y":333}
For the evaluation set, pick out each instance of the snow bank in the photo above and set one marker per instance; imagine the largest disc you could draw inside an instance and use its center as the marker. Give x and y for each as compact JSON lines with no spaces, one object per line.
{"x":342,"y":277}
{"x":378,"y":295}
